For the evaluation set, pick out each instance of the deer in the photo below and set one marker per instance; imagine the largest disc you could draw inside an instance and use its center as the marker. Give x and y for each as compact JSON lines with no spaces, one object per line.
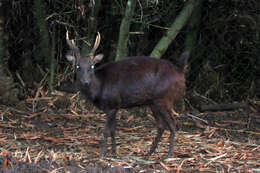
{"x":130,"y":82}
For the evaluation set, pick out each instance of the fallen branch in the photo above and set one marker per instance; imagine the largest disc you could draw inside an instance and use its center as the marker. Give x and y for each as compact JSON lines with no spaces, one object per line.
{"x":223,"y":107}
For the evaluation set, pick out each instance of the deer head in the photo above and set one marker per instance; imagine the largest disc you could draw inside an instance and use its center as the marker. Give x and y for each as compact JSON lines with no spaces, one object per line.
{"x":84,"y":64}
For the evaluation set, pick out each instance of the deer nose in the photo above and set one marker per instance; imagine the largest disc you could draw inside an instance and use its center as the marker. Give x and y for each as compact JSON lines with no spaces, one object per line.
{"x":85,"y":81}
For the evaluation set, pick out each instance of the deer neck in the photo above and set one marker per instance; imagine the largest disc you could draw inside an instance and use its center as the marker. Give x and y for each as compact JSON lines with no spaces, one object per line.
{"x":92,"y":89}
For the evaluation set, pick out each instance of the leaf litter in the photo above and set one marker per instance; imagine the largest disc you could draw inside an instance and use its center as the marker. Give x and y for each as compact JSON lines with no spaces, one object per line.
{"x":54,"y":134}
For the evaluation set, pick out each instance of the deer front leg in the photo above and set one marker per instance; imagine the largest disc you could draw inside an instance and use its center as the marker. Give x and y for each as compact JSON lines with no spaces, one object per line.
{"x":109,"y":130}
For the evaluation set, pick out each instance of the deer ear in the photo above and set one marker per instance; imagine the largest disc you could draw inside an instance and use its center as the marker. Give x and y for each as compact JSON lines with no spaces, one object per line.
{"x":98,"y":58}
{"x":70,"y":58}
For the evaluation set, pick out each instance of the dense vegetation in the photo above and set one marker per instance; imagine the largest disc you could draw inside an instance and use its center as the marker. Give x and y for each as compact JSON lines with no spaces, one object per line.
{"x":223,"y":37}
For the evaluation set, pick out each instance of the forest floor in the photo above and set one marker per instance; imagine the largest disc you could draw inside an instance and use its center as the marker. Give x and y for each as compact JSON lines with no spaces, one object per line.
{"x":58,"y":134}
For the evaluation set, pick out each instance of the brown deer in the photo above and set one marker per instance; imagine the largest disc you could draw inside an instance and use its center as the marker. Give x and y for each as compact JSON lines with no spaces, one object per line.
{"x":130,"y":82}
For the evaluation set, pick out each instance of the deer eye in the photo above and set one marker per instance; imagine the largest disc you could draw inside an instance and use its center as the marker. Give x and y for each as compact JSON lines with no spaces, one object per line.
{"x":77,"y":67}
{"x":92,"y":66}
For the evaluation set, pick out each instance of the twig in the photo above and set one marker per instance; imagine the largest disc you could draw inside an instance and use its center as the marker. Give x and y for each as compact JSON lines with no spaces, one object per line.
{"x":195,"y":117}
{"x":214,"y":159}
{"x":20,"y":78}
{"x":164,"y":166}
{"x":205,"y":98}
{"x":2,"y":114}
{"x":180,"y":166}
{"x":38,"y":157}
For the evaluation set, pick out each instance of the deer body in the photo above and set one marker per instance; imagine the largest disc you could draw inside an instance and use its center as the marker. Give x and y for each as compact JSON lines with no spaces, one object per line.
{"x":133,"y":81}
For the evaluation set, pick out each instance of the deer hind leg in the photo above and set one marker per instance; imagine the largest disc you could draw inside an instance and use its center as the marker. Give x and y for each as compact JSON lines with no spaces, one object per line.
{"x":171,"y":124}
{"x":163,"y":118}
{"x":160,"y":128}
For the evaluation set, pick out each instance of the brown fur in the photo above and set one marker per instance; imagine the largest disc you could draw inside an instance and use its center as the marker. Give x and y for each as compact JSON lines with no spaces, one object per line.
{"x":134,"y":81}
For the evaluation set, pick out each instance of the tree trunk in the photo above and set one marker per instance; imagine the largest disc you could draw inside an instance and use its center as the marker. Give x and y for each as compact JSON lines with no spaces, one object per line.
{"x":92,"y":21}
{"x":124,"y":30}
{"x":52,"y":63}
{"x":8,"y":94}
{"x":47,"y":56}
{"x":193,"y":27}
{"x":44,"y":55}
{"x":257,"y":81}
{"x":176,"y":26}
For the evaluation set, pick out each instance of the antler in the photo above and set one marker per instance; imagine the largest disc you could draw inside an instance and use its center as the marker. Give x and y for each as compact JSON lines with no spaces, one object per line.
{"x":72,"y":45}
{"x":97,"y":42}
